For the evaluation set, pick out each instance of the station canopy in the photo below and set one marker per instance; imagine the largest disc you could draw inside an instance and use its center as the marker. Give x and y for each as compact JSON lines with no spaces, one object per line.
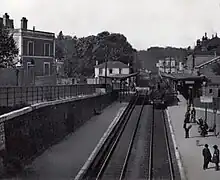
{"x":184,"y":76}
{"x":120,"y":76}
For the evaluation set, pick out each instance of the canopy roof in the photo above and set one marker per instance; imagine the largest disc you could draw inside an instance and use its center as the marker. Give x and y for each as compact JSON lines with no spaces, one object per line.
{"x":184,"y":76}
{"x":121,"y":76}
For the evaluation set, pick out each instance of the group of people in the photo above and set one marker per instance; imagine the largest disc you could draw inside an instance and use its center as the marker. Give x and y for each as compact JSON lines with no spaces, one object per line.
{"x":210,"y":158}
{"x":203,"y":127}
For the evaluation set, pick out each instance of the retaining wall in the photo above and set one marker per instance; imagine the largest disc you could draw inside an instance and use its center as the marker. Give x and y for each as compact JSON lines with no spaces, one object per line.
{"x":29,"y":134}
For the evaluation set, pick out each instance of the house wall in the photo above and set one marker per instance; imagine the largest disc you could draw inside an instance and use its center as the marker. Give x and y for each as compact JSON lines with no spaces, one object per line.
{"x":114,"y":71}
{"x":39,"y":64}
{"x":96,"y":72}
{"x":38,"y":46}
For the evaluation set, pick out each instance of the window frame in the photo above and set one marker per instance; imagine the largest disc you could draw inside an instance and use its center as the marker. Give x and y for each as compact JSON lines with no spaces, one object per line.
{"x":48,"y":49}
{"x":45,"y":68}
{"x":28,"y":50}
{"x":120,"y":70}
{"x":110,"y":70}
{"x":100,"y":71}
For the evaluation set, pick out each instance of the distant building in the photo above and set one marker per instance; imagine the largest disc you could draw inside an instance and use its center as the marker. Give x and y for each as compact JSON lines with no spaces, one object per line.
{"x":6,"y":22}
{"x":113,"y":68}
{"x":36,"y":50}
{"x":170,"y":65}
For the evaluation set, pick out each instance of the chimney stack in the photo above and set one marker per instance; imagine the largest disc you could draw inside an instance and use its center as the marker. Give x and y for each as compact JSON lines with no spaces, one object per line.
{"x":5,"y":20}
{"x":24,"y":23}
{"x":33,"y":28}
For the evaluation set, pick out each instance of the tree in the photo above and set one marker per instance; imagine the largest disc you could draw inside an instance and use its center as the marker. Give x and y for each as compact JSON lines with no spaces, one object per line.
{"x":216,"y":68}
{"x":8,"y":49}
{"x":80,"y":54}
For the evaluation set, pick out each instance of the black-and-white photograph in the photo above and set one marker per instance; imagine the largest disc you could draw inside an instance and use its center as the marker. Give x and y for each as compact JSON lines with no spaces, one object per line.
{"x":109,"y":90}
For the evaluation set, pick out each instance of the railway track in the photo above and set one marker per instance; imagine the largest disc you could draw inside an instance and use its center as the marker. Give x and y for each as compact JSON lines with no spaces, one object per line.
{"x":111,"y":162}
{"x":114,"y":161}
{"x":160,"y":160}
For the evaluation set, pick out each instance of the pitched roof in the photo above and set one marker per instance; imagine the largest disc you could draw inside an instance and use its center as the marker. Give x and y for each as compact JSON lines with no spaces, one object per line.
{"x":113,"y":64}
{"x":213,"y":60}
{"x":200,"y":59}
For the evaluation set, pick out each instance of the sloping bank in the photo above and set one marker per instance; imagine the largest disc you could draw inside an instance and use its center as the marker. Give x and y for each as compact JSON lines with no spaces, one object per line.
{"x":27,"y":132}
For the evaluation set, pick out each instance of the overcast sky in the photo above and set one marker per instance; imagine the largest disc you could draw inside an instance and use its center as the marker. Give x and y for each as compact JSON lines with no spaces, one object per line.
{"x":144,"y":22}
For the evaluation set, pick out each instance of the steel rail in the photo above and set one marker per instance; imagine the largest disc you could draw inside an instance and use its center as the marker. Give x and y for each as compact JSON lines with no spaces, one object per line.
{"x":132,"y":141}
{"x":101,"y":171}
{"x":172,"y":176}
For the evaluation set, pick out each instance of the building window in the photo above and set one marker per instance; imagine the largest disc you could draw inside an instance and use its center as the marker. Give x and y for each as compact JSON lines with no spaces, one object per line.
{"x":218,"y":92}
{"x":119,"y":70}
{"x":110,"y":71}
{"x":210,"y":90}
{"x":46,"y":68}
{"x":46,"y":49}
{"x":100,"y":71}
{"x":173,"y":64}
{"x":30,"y":48}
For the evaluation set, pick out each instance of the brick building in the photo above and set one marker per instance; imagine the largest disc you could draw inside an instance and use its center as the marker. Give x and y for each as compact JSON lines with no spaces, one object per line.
{"x":36,"y":51}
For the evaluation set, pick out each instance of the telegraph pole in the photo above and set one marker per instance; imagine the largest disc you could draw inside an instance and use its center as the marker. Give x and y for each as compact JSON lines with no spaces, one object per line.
{"x":106,"y":68}
{"x":170,"y":64}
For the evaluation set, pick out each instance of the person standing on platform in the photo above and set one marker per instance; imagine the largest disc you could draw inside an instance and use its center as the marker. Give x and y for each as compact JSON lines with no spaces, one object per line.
{"x":215,"y":158}
{"x":187,"y":117}
{"x":193,"y":115}
{"x":206,"y":156}
{"x":187,"y":130}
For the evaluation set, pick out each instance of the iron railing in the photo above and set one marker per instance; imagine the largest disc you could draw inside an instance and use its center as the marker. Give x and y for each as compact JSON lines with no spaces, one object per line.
{"x":18,"y":96}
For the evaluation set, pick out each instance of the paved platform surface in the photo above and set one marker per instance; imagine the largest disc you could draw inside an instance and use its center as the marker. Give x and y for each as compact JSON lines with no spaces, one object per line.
{"x":191,"y":154}
{"x":64,"y":160}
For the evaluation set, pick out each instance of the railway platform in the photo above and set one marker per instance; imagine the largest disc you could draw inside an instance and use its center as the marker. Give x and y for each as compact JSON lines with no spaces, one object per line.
{"x":64,"y":160}
{"x":191,"y":160}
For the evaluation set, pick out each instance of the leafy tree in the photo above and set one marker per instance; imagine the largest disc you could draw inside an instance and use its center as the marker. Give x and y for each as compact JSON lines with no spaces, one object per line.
{"x":8,"y":49}
{"x":81,"y":54}
{"x":216,"y":68}
{"x":59,"y":53}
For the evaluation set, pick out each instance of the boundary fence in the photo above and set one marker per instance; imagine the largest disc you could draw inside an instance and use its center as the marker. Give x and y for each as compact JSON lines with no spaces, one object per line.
{"x":18,"y":96}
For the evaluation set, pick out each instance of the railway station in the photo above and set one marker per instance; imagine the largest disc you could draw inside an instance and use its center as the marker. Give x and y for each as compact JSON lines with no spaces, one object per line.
{"x":136,"y":134}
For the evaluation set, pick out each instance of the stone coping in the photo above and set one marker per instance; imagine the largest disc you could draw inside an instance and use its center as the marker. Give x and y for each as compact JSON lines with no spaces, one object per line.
{"x":19,"y":112}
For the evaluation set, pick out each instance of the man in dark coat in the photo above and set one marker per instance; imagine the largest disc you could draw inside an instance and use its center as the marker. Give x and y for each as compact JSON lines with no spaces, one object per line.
{"x":215,"y":158}
{"x":193,"y":115}
{"x":187,"y":128}
{"x":207,"y":156}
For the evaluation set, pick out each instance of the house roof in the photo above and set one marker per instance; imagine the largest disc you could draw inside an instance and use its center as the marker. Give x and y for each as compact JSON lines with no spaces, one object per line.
{"x":200,"y":59}
{"x":213,"y":60}
{"x":113,"y":64}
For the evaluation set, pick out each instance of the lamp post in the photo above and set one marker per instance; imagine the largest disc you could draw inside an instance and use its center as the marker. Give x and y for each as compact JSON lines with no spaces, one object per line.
{"x":204,"y":85}
{"x":215,"y":111}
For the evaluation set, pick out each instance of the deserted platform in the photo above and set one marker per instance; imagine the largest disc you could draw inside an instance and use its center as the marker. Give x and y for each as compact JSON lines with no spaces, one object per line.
{"x":64,"y":160}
